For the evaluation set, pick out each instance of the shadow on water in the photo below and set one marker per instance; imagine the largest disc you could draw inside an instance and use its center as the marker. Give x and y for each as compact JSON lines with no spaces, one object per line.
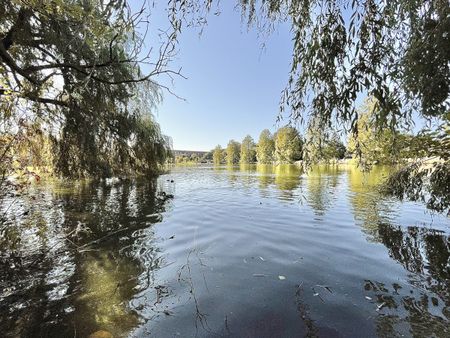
{"x":77,"y":270}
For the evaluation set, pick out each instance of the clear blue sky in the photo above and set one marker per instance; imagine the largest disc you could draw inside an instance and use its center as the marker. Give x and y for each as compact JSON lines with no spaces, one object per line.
{"x":233,"y":86}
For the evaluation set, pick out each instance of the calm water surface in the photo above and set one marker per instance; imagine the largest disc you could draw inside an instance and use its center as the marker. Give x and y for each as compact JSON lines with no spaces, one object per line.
{"x":224,"y":252}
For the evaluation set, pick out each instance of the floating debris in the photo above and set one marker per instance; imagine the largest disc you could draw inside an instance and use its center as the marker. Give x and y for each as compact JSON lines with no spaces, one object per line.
{"x":379,"y":307}
{"x":161,"y":291}
{"x":281,"y":277}
{"x":316,"y":294}
{"x":325,"y":287}
{"x":368,"y":298}
{"x":261,"y":258}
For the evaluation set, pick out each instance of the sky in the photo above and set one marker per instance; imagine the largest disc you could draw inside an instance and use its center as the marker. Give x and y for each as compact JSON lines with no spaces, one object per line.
{"x":233,"y":84}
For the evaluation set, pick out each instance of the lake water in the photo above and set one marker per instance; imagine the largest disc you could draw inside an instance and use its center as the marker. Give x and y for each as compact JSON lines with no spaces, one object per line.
{"x":250,"y":251}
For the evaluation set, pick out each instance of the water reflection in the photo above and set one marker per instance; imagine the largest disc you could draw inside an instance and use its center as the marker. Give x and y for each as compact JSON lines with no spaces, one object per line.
{"x":287,"y":180}
{"x":107,"y":282}
{"x":321,"y":185}
{"x":425,"y":253}
{"x":422,"y":251}
{"x":265,"y":177}
{"x":369,"y":207}
{"x":93,"y":250}
{"x":90,"y":257}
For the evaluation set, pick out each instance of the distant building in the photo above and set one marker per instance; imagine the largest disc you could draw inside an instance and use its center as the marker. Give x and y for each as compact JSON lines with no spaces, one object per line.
{"x":189,"y":153}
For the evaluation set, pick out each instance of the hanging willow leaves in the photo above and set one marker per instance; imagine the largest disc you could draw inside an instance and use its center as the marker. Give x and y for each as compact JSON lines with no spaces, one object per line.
{"x":76,"y":69}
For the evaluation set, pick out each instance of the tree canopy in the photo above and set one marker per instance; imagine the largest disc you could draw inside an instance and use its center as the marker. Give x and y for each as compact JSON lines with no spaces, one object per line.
{"x":74,"y":70}
{"x":288,"y":145}
{"x":233,"y":152}
{"x":265,"y":148}
{"x":217,"y":155}
{"x":248,"y":152}
{"x":79,"y":65}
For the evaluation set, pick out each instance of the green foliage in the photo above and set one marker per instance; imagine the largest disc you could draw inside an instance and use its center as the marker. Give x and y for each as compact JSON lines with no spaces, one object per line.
{"x":208,"y":156}
{"x":427,"y":178}
{"x":218,"y":155}
{"x":373,"y":145}
{"x":75,"y":67}
{"x":248,"y":152}
{"x":266,"y":147}
{"x":424,"y":182}
{"x":322,"y":145}
{"x":334,"y":149}
{"x":233,"y":152}
{"x":288,"y":145}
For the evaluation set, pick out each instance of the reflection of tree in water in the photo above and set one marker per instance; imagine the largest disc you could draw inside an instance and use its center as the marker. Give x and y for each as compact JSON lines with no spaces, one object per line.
{"x":266,"y":177}
{"x":247,"y":168}
{"x":425,"y":302}
{"x":425,"y":314}
{"x":369,"y":207}
{"x":422,"y":251}
{"x":83,"y":280}
{"x":287,"y":180}
{"x":233,"y":174}
{"x":247,"y":175}
{"x":108,"y":281}
{"x":321,"y":184}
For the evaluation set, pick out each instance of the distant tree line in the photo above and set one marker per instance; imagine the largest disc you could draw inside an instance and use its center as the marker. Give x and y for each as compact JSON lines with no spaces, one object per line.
{"x":369,"y":146}
{"x":286,"y":145}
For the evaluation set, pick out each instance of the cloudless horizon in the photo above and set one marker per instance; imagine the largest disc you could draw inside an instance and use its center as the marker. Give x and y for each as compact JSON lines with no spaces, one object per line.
{"x":233,"y":86}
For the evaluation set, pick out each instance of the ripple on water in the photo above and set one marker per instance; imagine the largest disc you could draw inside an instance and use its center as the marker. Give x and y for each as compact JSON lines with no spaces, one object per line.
{"x":252,"y":252}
